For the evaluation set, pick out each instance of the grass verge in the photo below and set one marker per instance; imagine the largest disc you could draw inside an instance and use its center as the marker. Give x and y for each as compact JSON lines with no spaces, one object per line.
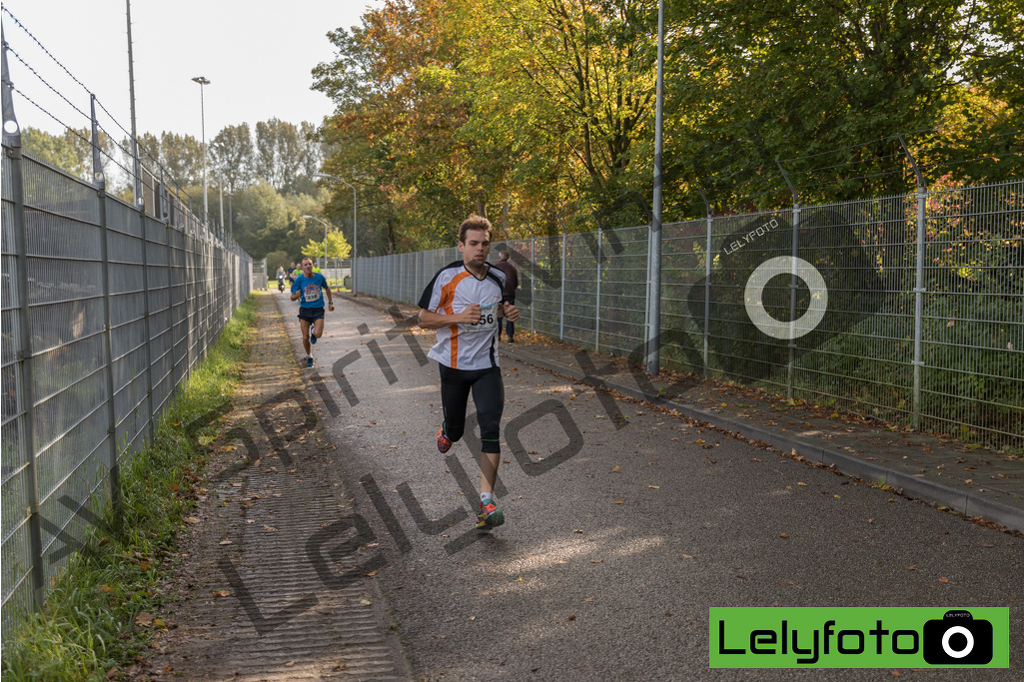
{"x":100,"y":613}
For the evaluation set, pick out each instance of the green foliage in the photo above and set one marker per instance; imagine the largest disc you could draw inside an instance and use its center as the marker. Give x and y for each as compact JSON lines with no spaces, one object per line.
{"x":967,"y":378}
{"x":72,"y":152}
{"x":86,"y":626}
{"x":544,"y":108}
{"x":337,"y":247}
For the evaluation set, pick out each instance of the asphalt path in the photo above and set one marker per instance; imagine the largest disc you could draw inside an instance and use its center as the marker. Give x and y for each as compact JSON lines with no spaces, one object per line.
{"x":618,"y":537}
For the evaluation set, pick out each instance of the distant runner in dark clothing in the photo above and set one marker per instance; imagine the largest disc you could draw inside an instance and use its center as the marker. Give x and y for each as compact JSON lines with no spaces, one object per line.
{"x":508,"y":294}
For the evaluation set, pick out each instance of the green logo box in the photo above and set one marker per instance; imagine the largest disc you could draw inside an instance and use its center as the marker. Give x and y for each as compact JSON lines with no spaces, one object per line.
{"x":859,"y":637}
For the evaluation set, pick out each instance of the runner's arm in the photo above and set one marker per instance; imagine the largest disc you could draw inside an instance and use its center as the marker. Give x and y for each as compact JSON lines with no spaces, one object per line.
{"x":429,"y":320}
{"x":330,"y":295}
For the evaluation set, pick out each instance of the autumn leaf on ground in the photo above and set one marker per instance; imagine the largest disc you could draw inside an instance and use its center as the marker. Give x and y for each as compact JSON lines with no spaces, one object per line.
{"x":145,"y":619}
{"x":266,"y":527}
{"x":190,"y":519}
{"x":222,"y":593}
{"x":785,"y":536}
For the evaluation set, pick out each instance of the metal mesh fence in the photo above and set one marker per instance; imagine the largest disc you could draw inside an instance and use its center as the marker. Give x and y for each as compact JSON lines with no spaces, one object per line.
{"x":917,"y":318}
{"x":106,"y":309}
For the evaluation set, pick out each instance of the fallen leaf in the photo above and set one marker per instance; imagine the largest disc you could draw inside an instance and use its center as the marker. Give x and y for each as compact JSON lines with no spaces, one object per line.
{"x":104,"y":588}
{"x":221,"y":593}
{"x":235,"y":485}
{"x":578,"y":530}
{"x":143,"y":565}
{"x":618,"y":501}
{"x":365,"y":602}
{"x":144,"y":619}
{"x":159,"y":623}
{"x":687,"y":556}
{"x":190,"y":519}
{"x":289,"y":664}
{"x":943,"y":579}
{"x":615,"y":469}
{"x":784,"y":535}
{"x":224,"y":542}
{"x":801,"y":483}
{"x":655,"y":487}
{"x":266,"y":527}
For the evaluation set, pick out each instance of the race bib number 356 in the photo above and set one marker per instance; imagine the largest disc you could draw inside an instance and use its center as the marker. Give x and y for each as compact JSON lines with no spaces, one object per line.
{"x":488,"y":320}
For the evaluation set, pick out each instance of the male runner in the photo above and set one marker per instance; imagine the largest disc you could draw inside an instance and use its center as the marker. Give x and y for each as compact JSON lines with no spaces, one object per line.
{"x":464,"y":304}
{"x":308,"y":289}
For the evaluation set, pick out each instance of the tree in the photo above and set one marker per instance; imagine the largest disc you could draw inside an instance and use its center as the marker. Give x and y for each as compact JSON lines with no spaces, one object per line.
{"x":337,"y":247}
{"x":749,"y":82}
{"x":72,"y":152}
{"x":57,"y":150}
{"x":231,"y":152}
{"x":181,"y":157}
{"x":282,"y":151}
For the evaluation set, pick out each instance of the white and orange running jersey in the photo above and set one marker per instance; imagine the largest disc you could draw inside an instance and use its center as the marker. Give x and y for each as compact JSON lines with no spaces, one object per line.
{"x":453,"y":289}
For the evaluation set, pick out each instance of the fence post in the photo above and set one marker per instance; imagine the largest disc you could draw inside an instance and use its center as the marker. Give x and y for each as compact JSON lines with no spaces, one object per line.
{"x":141,"y":207}
{"x":597,"y":307}
{"x":793,"y":278}
{"x":561,"y":307}
{"x":533,"y":282}
{"x":919,"y":290}
{"x":707,"y":279}
{"x":12,"y":140}
{"x":100,"y":184}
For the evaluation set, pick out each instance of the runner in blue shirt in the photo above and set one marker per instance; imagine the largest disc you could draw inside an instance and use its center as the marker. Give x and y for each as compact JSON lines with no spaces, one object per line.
{"x":308,"y":288}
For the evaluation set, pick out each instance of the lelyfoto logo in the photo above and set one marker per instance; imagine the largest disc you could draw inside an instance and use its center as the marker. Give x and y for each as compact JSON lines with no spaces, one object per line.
{"x":821,"y":637}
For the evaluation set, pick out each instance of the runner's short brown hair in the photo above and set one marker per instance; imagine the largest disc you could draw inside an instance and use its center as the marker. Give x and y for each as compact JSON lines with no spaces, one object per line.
{"x":474,"y":222}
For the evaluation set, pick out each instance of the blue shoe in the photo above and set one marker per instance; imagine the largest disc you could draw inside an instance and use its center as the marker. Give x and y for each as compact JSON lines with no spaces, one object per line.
{"x":309,"y":361}
{"x":312,"y":337}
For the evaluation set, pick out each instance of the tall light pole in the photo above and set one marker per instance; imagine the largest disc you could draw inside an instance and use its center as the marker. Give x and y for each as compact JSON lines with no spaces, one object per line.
{"x":324,"y":223}
{"x":203,"y":82}
{"x":654,"y":234}
{"x":355,"y":227}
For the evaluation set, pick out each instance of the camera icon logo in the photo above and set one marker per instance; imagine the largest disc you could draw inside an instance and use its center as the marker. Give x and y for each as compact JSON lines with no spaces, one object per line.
{"x":957,"y":639}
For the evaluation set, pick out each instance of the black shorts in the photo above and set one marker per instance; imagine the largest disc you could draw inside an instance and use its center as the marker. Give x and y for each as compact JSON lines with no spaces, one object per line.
{"x":311,"y":315}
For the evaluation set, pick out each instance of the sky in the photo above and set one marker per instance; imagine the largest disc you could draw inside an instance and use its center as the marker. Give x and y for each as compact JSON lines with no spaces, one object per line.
{"x":257,"y":55}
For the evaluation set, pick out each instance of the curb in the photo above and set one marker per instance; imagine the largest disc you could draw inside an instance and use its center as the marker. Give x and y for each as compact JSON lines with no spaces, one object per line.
{"x":959,"y":501}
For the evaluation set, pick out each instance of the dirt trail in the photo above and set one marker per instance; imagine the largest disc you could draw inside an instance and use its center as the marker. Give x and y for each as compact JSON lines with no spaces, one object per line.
{"x":274,"y":585}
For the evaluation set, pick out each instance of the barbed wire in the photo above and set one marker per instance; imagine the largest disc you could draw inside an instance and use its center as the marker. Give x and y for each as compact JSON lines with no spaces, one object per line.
{"x":841,"y":149}
{"x":45,"y":82}
{"x":43,"y":48}
{"x":870,"y":176}
{"x":983,"y":157}
{"x":848,"y":163}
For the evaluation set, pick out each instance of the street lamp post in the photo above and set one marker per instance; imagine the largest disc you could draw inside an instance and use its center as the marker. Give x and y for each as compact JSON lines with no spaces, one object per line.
{"x":324,"y":223}
{"x":203,"y":82}
{"x":355,"y":227}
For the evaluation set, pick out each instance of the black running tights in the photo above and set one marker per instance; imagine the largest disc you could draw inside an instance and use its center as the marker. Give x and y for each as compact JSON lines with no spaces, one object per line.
{"x":488,"y":396}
